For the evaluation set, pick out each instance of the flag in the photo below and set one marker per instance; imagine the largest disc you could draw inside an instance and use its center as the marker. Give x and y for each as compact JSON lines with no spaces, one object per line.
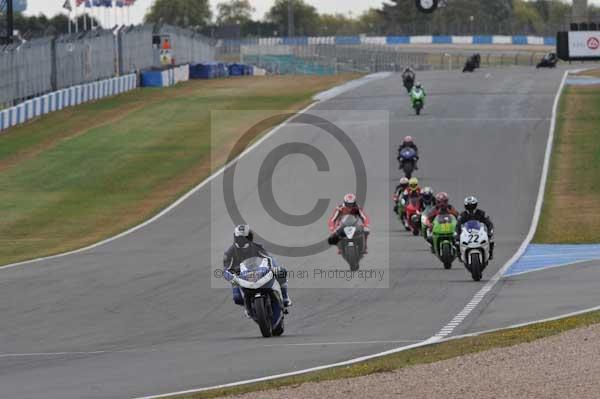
{"x":128,"y":3}
{"x":119,"y":3}
{"x":79,"y":2}
{"x":88,"y":4}
{"x":97,"y":3}
{"x":107,"y":3}
{"x":67,"y":5}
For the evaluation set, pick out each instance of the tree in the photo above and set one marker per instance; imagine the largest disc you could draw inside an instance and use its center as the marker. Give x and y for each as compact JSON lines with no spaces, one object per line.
{"x":527,"y":18}
{"x":306,"y":18}
{"x":234,"y":12}
{"x":184,"y":13}
{"x":337,"y":25}
{"x":371,"y":22}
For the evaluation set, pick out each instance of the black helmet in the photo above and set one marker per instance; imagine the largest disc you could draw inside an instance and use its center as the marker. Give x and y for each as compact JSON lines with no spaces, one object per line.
{"x":471,"y":203}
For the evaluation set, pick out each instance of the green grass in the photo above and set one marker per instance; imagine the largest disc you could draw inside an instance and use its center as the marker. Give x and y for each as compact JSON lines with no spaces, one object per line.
{"x":422,"y":355}
{"x":571,"y":211}
{"x":77,"y":176}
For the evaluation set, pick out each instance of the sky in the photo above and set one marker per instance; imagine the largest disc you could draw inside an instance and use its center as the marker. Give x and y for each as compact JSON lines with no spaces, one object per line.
{"x":137,"y":12}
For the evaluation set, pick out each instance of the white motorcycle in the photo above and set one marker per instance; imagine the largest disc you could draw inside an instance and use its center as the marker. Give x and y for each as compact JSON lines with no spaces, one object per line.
{"x":262,"y":294}
{"x":474,"y":248}
{"x":352,"y":241}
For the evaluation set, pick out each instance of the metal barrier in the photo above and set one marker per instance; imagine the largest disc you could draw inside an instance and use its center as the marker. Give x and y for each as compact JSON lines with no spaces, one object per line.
{"x":369,"y":58}
{"x":40,"y":66}
{"x":84,"y":58}
{"x":26,"y":70}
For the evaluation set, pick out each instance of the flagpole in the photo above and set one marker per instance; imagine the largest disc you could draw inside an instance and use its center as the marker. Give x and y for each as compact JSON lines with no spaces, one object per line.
{"x":84,"y":18}
{"x":76,"y":19}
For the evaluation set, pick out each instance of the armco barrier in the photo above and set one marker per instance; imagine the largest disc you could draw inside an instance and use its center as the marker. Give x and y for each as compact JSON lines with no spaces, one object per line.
{"x":68,"y":97}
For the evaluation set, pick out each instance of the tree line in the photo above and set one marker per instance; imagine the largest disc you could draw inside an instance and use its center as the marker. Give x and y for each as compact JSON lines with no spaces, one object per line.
{"x":234,"y":18}
{"x":394,"y":17}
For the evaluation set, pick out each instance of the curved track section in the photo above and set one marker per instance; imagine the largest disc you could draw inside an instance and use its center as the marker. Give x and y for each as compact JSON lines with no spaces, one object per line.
{"x":137,"y":316}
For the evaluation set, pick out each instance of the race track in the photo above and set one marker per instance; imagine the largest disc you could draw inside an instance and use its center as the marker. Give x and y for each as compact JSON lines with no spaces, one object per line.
{"x":138,"y":316}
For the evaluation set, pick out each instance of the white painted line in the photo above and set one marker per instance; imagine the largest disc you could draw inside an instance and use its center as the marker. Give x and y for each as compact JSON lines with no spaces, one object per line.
{"x":354,"y":84}
{"x":293,"y":373}
{"x":436,"y":339}
{"x":178,"y":201}
{"x":52,"y":354}
{"x":534,"y":223}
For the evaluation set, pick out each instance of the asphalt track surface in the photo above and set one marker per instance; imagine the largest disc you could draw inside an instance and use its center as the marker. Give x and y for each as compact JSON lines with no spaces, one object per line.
{"x":138,"y":316}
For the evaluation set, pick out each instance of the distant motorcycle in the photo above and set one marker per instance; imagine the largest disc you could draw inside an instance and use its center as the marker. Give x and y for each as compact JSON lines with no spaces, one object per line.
{"x":408,"y":161}
{"x":400,"y":210}
{"x":472,"y":63}
{"x":442,"y":239}
{"x":425,"y":221}
{"x":262,"y":294}
{"x":413,"y":215}
{"x":549,"y":61}
{"x":474,"y":248}
{"x":351,"y":240}
{"x":408,"y":82}
{"x":418,"y":100}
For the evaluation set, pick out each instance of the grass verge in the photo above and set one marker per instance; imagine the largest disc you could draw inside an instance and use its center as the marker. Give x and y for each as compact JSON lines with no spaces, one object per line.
{"x":571,"y":211}
{"x":423,"y":355}
{"x":77,"y":176}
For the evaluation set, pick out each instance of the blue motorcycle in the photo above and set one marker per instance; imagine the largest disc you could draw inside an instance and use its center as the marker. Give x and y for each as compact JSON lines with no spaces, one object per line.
{"x":408,"y":161}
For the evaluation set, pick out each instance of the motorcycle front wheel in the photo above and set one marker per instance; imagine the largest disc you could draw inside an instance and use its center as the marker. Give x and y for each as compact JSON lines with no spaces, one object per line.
{"x":263,"y":319}
{"x":475,"y":267}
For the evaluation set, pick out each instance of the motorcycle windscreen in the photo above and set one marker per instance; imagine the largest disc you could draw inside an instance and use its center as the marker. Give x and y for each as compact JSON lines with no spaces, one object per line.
{"x":409,"y":153}
{"x":472,"y":225}
{"x":254,"y":269}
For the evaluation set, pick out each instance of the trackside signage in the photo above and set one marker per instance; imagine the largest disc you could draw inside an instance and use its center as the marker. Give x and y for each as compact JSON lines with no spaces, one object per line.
{"x":584,"y":44}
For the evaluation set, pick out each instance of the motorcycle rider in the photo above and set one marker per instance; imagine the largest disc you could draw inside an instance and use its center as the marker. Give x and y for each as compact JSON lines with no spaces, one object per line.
{"x":408,"y":75}
{"x":244,"y":248}
{"x":427,"y":198}
{"x":413,"y":190}
{"x":471,"y":212}
{"x":442,"y":207}
{"x":349,"y":207}
{"x":408,"y":142}
{"x":400,"y":188}
{"x":418,"y":88}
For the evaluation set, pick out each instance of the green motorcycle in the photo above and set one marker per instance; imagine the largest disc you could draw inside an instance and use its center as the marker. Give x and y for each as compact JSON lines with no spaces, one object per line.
{"x":443,"y":239}
{"x":417,"y":97}
{"x":425,"y":221}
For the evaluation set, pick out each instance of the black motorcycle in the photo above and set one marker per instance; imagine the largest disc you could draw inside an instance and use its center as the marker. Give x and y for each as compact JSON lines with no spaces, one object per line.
{"x":408,"y":82}
{"x":549,"y":61}
{"x":473,"y":63}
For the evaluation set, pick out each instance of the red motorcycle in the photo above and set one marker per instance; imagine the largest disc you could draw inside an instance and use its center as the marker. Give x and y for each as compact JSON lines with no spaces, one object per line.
{"x":413,"y":215}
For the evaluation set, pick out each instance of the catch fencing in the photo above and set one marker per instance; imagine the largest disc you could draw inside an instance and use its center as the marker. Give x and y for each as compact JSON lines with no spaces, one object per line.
{"x":328,"y":59}
{"x":40,"y":66}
